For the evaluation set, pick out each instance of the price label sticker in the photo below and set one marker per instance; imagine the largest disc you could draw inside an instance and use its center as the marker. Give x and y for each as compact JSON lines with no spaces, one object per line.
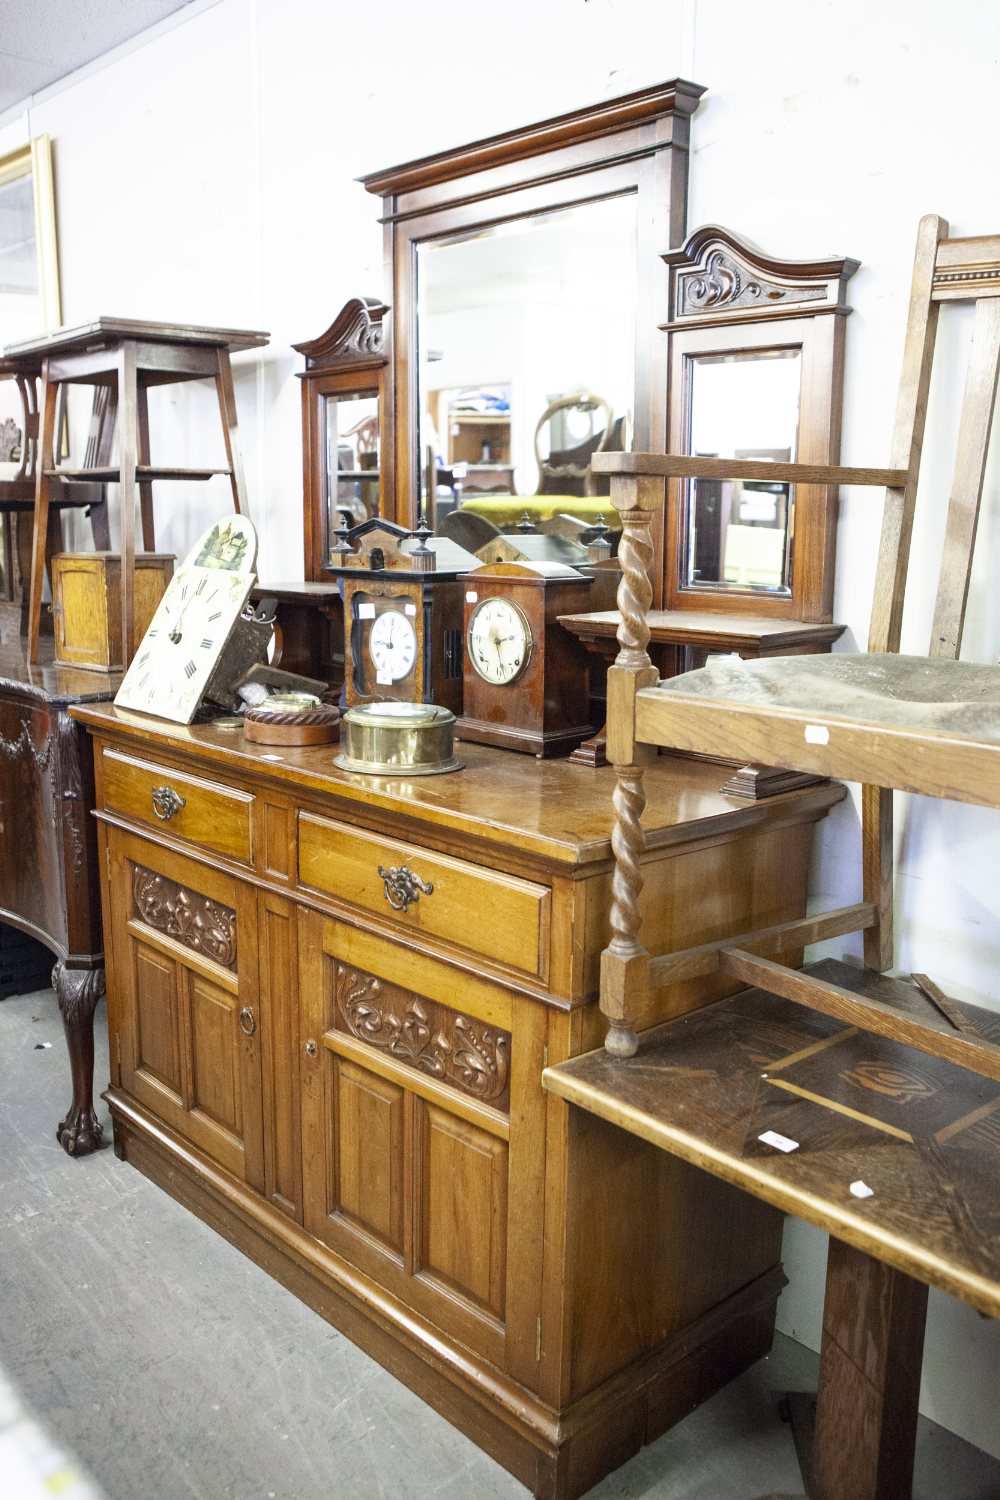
{"x":384,"y":679}
{"x":779,"y":1142}
{"x":471,"y":597}
{"x":816,"y":734}
{"x":366,"y":611}
{"x":409,"y":609}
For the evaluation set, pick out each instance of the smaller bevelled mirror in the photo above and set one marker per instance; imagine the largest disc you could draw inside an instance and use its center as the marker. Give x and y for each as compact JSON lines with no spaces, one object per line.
{"x":756,"y":367}
{"x":345,"y":425}
{"x":352,"y":459}
{"x":738,"y":533}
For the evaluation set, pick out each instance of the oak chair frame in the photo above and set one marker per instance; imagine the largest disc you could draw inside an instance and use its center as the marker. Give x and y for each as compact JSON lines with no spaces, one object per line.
{"x":928,"y":761}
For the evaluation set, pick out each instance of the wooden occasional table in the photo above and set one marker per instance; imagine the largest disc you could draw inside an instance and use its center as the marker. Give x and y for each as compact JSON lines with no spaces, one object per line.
{"x":794,"y":1107}
{"x":48,"y":851}
{"x":127,"y":357}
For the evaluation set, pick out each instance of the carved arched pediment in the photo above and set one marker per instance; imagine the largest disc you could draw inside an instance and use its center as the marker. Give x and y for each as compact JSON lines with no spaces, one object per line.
{"x":716,"y":277}
{"x":356,"y":334}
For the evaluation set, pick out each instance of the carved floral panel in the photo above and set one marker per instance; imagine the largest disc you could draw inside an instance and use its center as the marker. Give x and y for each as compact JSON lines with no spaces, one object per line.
{"x":203,"y":925}
{"x":443,"y":1043}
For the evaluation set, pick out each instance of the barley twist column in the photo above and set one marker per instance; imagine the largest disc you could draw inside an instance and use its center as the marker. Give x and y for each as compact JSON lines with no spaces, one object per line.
{"x":625,"y":963}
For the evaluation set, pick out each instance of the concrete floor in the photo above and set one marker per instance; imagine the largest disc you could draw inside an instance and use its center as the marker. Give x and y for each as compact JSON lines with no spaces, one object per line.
{"x":172,"y":1367}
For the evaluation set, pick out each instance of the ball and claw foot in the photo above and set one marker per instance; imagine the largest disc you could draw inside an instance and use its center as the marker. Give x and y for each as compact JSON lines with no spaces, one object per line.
{"x":80,"y":1133}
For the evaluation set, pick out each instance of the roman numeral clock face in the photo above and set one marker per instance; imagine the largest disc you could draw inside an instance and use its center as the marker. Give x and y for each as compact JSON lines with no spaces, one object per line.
{"x":499,"y":641}
{"x":185,"y":638}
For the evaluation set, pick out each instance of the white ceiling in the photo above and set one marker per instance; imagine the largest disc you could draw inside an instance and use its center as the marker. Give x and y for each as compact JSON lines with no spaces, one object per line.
{"x":43,"y":40}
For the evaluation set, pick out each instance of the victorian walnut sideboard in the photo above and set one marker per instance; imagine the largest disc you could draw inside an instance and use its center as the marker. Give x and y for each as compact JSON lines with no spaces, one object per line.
{"x":48,"y":852}
{"x":331,"y":999}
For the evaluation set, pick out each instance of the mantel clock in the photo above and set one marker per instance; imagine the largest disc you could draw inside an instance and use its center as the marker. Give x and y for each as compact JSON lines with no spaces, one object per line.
{"x":526,"y":684}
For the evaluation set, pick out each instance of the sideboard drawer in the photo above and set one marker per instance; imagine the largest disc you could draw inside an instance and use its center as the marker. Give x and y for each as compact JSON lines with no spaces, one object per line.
{"x":493,"y":915}
{"x":201,"y":812}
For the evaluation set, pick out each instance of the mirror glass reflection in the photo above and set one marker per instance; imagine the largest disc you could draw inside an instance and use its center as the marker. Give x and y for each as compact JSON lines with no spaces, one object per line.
{"x":353,"y":476}
{"x":737,"y":534}
{"x":526,"y":343}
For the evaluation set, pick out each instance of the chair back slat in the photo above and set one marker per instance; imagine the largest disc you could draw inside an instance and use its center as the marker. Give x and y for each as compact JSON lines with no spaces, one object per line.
{"x":967,"y":486}
{"x":907,"y":440}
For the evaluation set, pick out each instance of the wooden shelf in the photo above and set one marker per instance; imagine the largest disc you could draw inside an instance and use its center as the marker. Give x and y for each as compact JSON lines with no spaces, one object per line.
{"x":143,"y":472}
{"x":707,"y":1087}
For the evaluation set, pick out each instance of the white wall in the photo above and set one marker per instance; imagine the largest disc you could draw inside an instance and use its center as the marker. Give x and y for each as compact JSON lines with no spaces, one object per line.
{"x":207,"y":175}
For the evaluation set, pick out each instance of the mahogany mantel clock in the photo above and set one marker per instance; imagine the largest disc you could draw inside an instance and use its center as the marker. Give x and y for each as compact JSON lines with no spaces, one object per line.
{"x":525,"y":675}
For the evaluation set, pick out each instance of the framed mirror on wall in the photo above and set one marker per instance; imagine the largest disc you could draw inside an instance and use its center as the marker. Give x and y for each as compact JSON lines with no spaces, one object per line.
{"x":527,"y":287}
{"x":346,"y":424}
{"x":756,"y":373}
{"x":29,"y":306}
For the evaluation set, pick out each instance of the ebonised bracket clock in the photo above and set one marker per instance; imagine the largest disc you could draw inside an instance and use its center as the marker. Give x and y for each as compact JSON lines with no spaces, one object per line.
{"x":402,"y":616}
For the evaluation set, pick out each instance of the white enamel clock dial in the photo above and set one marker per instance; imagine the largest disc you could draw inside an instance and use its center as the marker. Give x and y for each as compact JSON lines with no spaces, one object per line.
{"x":392,"y":643}
{"x":179,"y":651}
{"x":499,"y":641}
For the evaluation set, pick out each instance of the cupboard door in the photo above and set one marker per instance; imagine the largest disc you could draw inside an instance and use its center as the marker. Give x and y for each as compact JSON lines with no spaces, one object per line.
{"x":406,"y":1126}
{"x":461,"y":1181}
{"x":189,"y":1037}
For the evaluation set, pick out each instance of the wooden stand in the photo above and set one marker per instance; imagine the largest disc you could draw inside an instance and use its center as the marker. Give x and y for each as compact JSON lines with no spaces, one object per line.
{"x":127,"y":357}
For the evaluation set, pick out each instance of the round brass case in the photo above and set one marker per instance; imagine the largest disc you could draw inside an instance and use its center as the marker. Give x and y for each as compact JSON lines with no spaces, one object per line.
{"x":398,"y":739}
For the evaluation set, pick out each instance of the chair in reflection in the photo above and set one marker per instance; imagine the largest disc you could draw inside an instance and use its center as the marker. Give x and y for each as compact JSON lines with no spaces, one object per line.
{"x":566,"y":483}
{"x":564,"y":467}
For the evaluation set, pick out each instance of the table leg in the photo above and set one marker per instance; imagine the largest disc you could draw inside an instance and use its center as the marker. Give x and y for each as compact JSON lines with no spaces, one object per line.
{"x":78,"y":991}
{"x":869,"y":1379}
{"x":128,"y":440}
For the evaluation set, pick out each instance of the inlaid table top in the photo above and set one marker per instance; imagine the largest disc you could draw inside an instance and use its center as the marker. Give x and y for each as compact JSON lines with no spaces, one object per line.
{"x":920,"y":1133}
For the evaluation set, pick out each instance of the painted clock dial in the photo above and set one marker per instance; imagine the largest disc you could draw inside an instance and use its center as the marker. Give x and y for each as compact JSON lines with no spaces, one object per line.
{"x":192,"y":624}
{"x":499,"y":641}
{"x":392,"y":645}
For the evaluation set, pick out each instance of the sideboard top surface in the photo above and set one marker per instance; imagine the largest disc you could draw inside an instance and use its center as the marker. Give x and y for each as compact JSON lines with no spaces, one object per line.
{"x":550,"y":808}
{"x":49,"y":683}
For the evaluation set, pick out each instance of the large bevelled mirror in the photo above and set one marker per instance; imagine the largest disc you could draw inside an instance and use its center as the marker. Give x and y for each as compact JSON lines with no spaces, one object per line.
{"x":526,"y":362}
{"x":527,"y":289}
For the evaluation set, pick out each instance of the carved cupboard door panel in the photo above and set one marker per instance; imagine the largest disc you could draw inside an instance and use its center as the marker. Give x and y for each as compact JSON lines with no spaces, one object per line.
{"x":406,"y":1126}
{"x":186,"y":974}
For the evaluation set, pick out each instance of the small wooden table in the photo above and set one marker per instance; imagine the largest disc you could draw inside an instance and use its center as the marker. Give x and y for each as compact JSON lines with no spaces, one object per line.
{"x":808,"y":1114}
{"x":127,"y":356}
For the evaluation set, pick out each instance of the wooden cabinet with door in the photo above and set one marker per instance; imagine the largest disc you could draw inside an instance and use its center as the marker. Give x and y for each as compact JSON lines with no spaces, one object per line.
{"x":346,"y":1082}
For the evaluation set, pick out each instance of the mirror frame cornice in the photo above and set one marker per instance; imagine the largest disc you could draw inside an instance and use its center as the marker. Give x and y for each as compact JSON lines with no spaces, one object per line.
{"x":634,"y":144}
{"x":726,"y":296}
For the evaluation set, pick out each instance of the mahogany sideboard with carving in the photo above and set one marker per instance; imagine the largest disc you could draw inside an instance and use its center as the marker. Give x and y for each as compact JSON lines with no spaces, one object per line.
{"x":48,"y":852}
{"x":331,"y":999}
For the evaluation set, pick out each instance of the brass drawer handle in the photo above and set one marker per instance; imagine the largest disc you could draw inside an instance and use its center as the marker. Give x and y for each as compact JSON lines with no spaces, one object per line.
{"x":166,"y":802}
{"x":402,"y":887}
{"x":248,"y":1021}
